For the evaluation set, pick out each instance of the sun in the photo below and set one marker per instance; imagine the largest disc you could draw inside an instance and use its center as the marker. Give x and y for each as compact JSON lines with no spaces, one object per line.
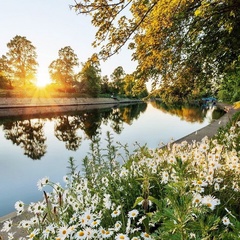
{"x":42,"y":80}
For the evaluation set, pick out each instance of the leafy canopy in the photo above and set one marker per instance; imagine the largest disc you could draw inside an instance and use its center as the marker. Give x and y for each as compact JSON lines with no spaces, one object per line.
{"x":20,"y":63}
{"x":195,"y":40}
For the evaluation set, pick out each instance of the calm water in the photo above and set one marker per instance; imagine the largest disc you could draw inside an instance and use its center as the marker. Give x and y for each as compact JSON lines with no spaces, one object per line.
{"x":33,"y":148}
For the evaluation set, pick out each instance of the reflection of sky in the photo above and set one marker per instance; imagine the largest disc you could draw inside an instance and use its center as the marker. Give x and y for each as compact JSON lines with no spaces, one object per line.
{"x":19,"y":174}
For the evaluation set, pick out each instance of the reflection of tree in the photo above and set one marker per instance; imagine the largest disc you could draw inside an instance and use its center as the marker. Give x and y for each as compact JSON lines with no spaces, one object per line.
{"x":132,"y":112}
{"x":126,"y":114}
{"x":188,"y":113}
{"x":66,"y":130}
{"x":117,"y":122}
{"x":91,"y":122}
{"x":29,"y":135}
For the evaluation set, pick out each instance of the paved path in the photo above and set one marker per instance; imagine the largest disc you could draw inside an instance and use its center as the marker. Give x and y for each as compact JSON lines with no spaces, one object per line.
{"x":209,"y":131}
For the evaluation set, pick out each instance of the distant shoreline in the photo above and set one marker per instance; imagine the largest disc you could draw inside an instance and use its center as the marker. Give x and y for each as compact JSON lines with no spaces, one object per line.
{"x":13,"y":107}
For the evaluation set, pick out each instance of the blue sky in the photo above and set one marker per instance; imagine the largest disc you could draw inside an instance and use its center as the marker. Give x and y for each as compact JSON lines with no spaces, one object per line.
{"x":50,"y":25}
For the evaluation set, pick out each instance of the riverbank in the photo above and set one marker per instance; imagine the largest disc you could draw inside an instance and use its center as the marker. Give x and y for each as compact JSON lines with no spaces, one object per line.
{"x":211,"y":129}
{"x":10,"y":107}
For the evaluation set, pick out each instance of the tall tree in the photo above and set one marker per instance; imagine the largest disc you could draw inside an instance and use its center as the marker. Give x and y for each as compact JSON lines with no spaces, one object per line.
{"x":5,"y":73}
{"x":105,"y":88}
{"x":90,"y":79}
{"x":197,"y":40}
{"x":61,"y":70}
{"x":21,"y":60}
{"x":117,"y":78}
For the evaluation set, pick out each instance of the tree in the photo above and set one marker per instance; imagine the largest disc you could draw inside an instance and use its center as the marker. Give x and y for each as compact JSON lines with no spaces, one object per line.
{"x":5,"y":80}
{"x":21,"y":61}
{"x":61,"y":70}
{"x":117,"y":80}
{"x":105,"y":88}
{"x":171,"y":39}
{"x":90,"y":79}
{"x":134,"y":87}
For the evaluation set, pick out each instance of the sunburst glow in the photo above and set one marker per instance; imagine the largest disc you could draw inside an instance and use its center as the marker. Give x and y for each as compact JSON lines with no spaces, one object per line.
{"x":42,"y":79}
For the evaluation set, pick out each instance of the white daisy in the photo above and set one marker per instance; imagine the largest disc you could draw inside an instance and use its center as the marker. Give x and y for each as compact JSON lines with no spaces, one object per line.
{"x":42,"y":183}
{"x":133,"y":214}
{"x":7,"y":225}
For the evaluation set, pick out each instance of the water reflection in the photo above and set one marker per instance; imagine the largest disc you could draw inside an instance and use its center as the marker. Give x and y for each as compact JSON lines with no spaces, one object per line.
{"x":29,"y":134}
{"x":189,"y":113}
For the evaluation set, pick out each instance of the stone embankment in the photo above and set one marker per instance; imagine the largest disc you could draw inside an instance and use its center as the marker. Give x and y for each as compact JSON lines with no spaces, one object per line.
{"x":33,"y":106}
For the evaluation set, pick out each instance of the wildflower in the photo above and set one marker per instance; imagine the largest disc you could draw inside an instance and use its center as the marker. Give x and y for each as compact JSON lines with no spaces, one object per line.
{"x":82,"y":221}
{"x":81,"y":234}
{"x":7,"y":225}
{"x":145,"y":236}
{"x":117,"y":226}
{"x":33,"y":234}
{"x":165,"y":177}
{"x":24,"y":224}
{"x":42,"y":183}
{"x":70,"y":199}
{"x":66,"y":179}
{"x":135,"y":238}
{"x":88,"y":217}
{"x":210,"y":201}
{"x":38,"y":208}
{"x":91,"y":233}
{"x":48,"y":230}
{"x":216,"y":186}
{"x":107,"y":201}
{"x":106,"y":233}
{"x":121,"y":236}
{"x":10,"y":236}
{"x":200,"y":183}
{"x":105,"y":181}
{"x":19,"y":206}
{"x":133,"y":214}
{"x":57,"y":188}
{"x":63,"y":232}
{"x":171,"y":159}
{"x":226,"y":221}
{"x":203,"y":147}
{"x":116,"y":212}
{"x":95,"y":223}
{"x":197,"y":198}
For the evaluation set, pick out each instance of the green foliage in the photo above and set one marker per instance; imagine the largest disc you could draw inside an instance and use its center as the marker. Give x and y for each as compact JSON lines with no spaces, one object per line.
{"x":19,"y":66}
{"x":230,"y":135}
{"x":61,"y":70}
{"x":230,"y":88}
{"x":89,"y":77}
{"x":134,"y":87}
{"x":117,"y":80}
{"x":183,"y":44}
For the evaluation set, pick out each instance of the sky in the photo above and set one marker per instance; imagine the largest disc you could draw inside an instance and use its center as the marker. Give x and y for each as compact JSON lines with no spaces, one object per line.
{"x":51,"y":25}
